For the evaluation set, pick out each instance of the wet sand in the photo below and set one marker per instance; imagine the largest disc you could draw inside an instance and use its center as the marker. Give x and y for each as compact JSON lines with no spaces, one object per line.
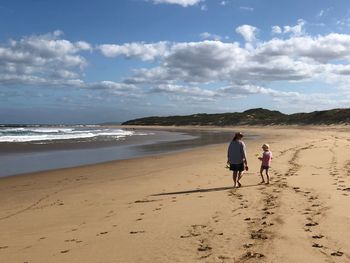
{"x":18,"y":158}
{"x":181,"y":207}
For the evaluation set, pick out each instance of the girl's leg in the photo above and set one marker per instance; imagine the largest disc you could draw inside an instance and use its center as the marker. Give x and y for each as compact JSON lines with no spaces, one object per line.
{"x":234,"y":177}
{"x":261,"y":174}
{"x":267,"y":176}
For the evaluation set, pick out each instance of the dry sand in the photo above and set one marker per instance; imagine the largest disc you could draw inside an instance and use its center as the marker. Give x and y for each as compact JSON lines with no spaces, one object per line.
{"x":181,"y":207}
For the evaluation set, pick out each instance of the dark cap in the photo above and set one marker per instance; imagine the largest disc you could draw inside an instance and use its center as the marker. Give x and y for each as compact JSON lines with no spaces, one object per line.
{"x":238,"y":135}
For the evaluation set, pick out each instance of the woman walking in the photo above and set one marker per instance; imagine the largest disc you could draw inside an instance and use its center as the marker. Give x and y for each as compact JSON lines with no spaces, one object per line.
{"x":237,"y":158}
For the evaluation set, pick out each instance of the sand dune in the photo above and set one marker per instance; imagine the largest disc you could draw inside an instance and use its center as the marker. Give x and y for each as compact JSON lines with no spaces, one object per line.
{"x":181,"y":207}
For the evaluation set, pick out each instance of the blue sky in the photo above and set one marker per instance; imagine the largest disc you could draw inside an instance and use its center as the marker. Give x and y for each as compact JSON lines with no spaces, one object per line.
{"x":99,"y":61}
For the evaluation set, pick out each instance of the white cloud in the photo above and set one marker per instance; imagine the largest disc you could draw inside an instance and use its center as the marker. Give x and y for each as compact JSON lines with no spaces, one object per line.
{"x":42,"y":59}
{"x":176,"y":92}
{"x":201,"y":61}
{"x":248,"y":70}
{"x":344,"y":22}
{"x":179,"y":89}
{"x":322,"y":49}
{"x":321,"y":13}
{"x":207,"y":35}
{"x":248,"y":32}
{"x":115,"y":88}
{"x":204,"y":7}
{"x":50,"y":61}
{"x":296,"y":30}
{"x":246,"y":8}
{"x":135,"y":50}
{"x":82,"y":45}
{"x":212,"y":61}
{"x":186,"y":70}
{"x":276,"y":30}
{"x":248,"y":89}
{"x":183,"y":3}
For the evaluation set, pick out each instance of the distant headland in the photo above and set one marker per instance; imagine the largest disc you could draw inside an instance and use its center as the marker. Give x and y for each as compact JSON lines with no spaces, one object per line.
{"x":258,"y":116}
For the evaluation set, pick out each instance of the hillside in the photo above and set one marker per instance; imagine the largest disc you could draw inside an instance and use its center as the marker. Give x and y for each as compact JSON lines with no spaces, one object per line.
{"x":257,"y":116}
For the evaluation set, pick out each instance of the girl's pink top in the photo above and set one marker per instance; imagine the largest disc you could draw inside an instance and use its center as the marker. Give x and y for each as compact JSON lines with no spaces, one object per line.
{"x":266,"y":158}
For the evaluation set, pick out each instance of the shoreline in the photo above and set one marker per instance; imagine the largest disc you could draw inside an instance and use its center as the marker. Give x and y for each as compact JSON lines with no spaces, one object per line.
{"x":181,"y":207}
{"x":28,"y":148}
{"x":112,"y":162}
{"x":61,"y":154}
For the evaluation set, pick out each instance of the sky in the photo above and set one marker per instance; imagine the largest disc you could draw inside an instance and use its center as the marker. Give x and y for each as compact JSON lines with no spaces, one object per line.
{"x":89,"y":61}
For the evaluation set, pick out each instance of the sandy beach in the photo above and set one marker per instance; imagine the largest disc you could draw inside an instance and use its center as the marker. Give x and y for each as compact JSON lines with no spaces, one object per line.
{"x":181,"y":207}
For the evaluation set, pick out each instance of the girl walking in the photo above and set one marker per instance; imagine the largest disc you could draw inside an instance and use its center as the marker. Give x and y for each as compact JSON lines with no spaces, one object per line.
{"x":265,"y":163}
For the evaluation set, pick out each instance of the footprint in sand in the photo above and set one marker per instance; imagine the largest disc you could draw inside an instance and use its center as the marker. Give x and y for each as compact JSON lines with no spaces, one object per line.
{"x":204,"y":247}
{"x":258,"y":235}
{"x":317,"y":236}
{"x":317,"y":245}
{"x":73,"y":240}
{"x":102,"y":233}
{"x":248,"y":245}
{"x":250,"y":254}
{"x":337,"y":253}
{"x":137,"y":232}
{"x":65,"y":251}
{"x":3,"y":247}
{"x":311,"y":224}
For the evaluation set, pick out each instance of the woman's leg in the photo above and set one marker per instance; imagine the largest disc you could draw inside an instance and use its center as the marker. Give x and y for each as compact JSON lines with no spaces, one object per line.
{"x":234,"y":177}
{"x":240,"y":175}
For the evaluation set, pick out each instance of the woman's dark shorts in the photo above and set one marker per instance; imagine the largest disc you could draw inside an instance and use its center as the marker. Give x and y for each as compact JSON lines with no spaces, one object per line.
{"x":237,"y":167}
{"x":263,"y":167}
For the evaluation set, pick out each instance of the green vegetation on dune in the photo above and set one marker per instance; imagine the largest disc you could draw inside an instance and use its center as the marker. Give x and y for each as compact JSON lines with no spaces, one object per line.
{"x":257,"y":116}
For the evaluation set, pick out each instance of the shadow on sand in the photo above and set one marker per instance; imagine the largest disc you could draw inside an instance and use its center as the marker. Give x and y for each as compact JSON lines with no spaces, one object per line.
{"x":204,"y":190}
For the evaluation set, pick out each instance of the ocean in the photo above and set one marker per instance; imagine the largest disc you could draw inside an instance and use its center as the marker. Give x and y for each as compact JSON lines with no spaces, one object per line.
{"x":46,"y":135}
{"x":38,"y":148}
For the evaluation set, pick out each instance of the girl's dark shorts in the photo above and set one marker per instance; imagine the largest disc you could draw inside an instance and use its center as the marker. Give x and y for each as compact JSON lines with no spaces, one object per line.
{"x":263,"y":167}
{"x":237,"y":167}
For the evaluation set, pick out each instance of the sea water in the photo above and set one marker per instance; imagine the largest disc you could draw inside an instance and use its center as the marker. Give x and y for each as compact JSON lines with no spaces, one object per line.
{"x":49,"y":134}
{"x":38,"y":148}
